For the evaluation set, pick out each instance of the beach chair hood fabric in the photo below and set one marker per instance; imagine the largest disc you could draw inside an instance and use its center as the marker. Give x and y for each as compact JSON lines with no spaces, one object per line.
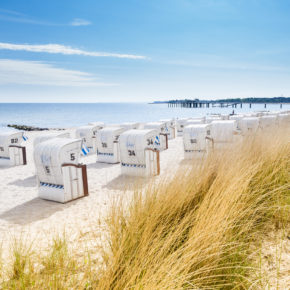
{"x":223,"y":131}
{"x":138,"y":158}
{"x":159,"y":126}
{"x":7,"y":139}
{"x":249,"y":125}
{"x":238,"y":119}
{"x":180,"y":124}
{"x":87,"y":134}
{"x":51,"y":135}
{"x":194,"y":137}
{"x":161,"y":141}
{"x":50,"y":155}
{"x":108,"y":149}
{"x":268,"y":121}
{"x":133,"y":144}
{"x":283,"y":119}
{"x":169,"y":127}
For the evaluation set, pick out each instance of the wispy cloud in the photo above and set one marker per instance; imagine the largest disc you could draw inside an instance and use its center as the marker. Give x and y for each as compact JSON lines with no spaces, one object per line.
{"x":14,"y":16}
{"x":10,"y":12}
{"x":39,"y":73}
{"x":62,"y":49}
{"x":80,"y":22}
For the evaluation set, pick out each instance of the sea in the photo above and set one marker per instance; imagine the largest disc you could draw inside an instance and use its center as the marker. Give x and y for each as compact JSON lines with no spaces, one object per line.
{"x":67,"y":115}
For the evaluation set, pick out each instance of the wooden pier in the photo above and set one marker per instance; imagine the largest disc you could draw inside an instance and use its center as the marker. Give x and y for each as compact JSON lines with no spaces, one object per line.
{"x":206,"y":104}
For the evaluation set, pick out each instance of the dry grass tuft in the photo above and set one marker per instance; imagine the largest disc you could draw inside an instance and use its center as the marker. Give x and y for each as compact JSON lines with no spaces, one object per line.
{"x":199,"y":231}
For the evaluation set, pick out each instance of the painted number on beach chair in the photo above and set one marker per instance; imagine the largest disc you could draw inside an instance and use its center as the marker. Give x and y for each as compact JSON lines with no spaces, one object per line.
{"x":72,"y":157}
{"x":14,"y":141}
{"x":149,"y":142}
{"x":131,"y":153}
{"x":193,"y":141}
{"x":2,"y":149}
{"x":47,"y":169}
{"x":104,"y":145}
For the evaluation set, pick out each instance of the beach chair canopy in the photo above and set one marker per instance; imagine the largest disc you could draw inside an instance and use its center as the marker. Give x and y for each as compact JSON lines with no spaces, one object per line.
{"x":8,"y":138}
{"x":107,"y":136}
{"x":133,"y":144}
{"x":249,"y":124}
{"x":159,"y":126}
{"x":194,"y":136}
{"x":268,"y":121}
{"x":51,"y":154}
{"x":223,"y":131}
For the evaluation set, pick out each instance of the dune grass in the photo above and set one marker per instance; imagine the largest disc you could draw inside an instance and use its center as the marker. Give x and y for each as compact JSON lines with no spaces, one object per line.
{"x":201,"y":229}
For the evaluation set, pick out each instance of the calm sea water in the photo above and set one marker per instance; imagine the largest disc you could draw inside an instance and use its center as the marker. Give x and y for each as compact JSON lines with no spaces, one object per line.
{"x":69,"y":115}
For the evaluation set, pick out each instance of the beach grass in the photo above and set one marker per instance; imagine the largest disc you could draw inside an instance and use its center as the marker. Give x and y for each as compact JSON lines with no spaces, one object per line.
{"x":201,"y":229}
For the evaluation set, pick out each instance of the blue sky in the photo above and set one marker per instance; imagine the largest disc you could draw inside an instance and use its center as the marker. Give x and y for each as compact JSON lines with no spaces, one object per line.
{"x":129,"y":50}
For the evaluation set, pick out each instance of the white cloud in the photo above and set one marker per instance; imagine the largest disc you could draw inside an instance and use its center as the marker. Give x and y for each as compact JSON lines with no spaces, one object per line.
{"x":62,"y":49}
{"x":38,"y":73}
{"x":80,"y":22}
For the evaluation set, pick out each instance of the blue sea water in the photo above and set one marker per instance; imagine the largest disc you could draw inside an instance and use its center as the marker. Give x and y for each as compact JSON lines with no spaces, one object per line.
{"x":56,"y":115}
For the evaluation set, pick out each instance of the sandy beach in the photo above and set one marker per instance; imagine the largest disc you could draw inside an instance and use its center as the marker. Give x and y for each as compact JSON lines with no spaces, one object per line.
{"x":26,"y":217}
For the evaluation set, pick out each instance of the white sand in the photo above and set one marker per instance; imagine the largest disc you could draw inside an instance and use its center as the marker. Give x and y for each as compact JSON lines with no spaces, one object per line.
{"x":23,"y":215}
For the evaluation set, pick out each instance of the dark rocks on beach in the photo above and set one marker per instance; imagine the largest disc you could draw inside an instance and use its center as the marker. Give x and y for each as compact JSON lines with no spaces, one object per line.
{"x":29,"y":128}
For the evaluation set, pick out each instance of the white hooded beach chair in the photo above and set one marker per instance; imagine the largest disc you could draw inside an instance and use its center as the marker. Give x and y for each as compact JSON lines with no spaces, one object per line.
{"x":161,"y":141}
{"x":180,"y":124}
{"x":268,"y":122}
{"x":249,"y":125}
{"x":169,"y":128}
{"x":50,"y":135}
{"x":11,"y":151}
{"x":60,"y":176}
{"x":137,"y":154}
{"x":283,"y":119}
{"x":108,"y":146}
{"x":238,"y":119}
{"x":88,"y":135}
{"x":224,"y":133}
{"x":196,"y":141}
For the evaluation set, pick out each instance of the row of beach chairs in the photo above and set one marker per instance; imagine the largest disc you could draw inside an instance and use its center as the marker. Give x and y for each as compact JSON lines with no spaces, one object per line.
{"x":61,"y":177}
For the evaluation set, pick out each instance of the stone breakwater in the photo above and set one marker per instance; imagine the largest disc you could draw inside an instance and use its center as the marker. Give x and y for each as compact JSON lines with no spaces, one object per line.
{"x":30,"y":128}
